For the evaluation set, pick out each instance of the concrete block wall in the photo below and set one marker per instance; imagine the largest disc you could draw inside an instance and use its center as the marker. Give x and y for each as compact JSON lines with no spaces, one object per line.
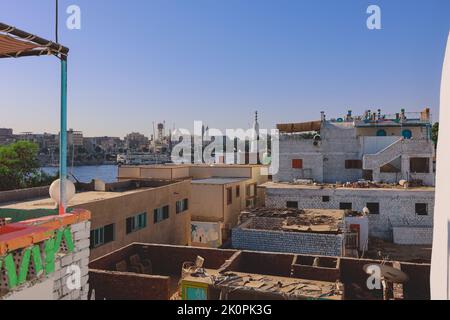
{"x":79,"y":257}
{"x":288,"y":242}
{"x":295,"y":147}
{"x":397,"y":206}
{"x":413,"y":235}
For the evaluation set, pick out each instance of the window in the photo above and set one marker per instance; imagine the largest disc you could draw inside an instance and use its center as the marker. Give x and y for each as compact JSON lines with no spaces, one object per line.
{"x":381,"y":133}
{"x":419,"y":165}
{"x":407,"y":134}
{"x":160,"y":214}
{"x":292,"y":204}
{"x":182,"y":205}
{"x":102,"y":236}
{"x":251,"y":190}
{"x":325,"y":198}
{"x":345,"y":206}
{"x":421,"y":209}
{"x":229,"y":196}
{"x":136,"y":222}
{"x":297,"y":163}
{"x":353,"y":164}
{"x":238,"y":191}
{"x":374,"y":207}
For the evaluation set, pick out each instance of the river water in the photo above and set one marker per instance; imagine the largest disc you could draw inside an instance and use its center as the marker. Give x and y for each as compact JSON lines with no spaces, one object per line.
{"x":107,"y":173}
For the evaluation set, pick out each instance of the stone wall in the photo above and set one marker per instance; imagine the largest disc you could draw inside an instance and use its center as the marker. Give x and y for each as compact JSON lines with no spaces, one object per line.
{"x":397,"y":206}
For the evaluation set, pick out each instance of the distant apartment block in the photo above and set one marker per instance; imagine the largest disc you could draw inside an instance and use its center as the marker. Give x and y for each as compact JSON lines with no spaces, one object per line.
{"x":219,"y":193}
{"x":379,"y":162}
{"x":6,"y":136}
{"x":136,"y":141}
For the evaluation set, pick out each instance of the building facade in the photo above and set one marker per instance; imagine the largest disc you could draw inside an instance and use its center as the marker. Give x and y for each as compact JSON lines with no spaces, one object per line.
{"x":377,"y":147}
{"x":359,"y":162}
{"x":129,"y":211}
{"x":219,"y":193}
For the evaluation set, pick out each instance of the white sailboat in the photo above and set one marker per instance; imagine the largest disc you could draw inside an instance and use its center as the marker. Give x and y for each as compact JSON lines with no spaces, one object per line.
{"x":440,"y":261}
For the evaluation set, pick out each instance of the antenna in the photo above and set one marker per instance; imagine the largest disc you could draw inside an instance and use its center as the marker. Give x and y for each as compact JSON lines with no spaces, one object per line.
{"x":56,"y":20}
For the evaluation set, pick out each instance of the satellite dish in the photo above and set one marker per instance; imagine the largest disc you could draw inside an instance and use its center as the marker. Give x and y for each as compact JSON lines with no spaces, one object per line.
{"x":387,"y":273}
{"x":54,"y":190}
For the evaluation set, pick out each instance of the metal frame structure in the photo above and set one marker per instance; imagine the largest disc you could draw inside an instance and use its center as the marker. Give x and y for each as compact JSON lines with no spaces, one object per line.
{"x":24,"y":44}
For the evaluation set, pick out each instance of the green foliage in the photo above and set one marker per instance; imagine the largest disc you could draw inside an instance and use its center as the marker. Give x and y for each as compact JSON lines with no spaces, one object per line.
{"x":435,"y":133}
{"x":19,"y":167}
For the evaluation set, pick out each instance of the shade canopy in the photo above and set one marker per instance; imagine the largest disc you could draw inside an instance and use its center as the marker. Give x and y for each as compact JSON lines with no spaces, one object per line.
{"x":15,"y":43}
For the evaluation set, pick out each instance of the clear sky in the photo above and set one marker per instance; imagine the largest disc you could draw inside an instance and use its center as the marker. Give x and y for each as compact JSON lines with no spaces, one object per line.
{"x":138,"y":61}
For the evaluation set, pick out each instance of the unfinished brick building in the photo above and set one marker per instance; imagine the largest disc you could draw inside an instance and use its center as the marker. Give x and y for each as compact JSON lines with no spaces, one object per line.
{"x":162,"y":272}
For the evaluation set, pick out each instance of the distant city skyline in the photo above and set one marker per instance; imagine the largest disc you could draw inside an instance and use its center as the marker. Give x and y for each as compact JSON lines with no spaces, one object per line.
{"x":141,"y":62}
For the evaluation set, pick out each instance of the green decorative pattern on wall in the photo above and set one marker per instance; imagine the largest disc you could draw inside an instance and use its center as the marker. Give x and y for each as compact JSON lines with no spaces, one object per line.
{"x":51,"y":247}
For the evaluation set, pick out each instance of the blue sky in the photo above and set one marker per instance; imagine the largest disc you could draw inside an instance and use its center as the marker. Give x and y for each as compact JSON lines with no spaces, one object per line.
{"x":138,"y":61}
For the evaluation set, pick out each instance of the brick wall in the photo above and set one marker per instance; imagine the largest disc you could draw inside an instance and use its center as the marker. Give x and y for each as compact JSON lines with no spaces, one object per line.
{"x":413,"y":235}
{"x":79,"y":257}
{"x":289,"y":242}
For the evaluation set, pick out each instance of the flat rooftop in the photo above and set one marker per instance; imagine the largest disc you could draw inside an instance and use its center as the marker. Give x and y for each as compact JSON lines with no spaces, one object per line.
{"x":114,"y":190}
{"x":242,"y":274}
{"x":191,"y":165}
{"x":295,"y":220}
{"x":354,"y":186}
{"x":80,"y":198}
{"x":218,"y":180}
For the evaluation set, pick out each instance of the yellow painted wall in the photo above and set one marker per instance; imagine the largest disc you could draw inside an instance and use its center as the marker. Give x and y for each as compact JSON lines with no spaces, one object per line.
{"x":175,"y":230}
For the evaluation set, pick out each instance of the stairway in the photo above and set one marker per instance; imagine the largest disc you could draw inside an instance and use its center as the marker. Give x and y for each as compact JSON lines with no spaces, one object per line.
{"x":379,"y":159}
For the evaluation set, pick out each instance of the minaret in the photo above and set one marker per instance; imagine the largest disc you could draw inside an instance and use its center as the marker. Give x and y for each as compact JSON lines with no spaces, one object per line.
{"x":440,"y":260}
{"x":255,"y":135}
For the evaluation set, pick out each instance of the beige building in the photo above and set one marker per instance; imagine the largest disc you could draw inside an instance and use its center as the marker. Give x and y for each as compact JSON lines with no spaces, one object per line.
{"x":219,"y":193}
{"x":131,"y":211}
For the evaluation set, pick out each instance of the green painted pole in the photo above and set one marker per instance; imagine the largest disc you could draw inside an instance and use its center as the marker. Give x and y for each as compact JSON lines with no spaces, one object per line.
{"x":63,"y":138}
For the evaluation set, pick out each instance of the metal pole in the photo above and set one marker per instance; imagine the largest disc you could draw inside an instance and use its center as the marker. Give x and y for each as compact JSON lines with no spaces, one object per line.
{"x":63,"y":138}
{"x":56,"y":21}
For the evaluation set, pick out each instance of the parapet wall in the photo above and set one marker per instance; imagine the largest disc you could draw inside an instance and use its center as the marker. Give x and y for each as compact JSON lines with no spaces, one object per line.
{"x":46,"y":258}
{"x":288,"y":242}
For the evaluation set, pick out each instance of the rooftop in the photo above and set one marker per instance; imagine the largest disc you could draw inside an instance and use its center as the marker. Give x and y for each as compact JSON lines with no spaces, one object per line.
{"x":195,"y":165}
{"x":218,"y":180}
{"x":112,"y":190}
{"x":352,"y":186}
{"x":369,"y":119}
{"x":240,"y":274}
{"x":294,"y":220}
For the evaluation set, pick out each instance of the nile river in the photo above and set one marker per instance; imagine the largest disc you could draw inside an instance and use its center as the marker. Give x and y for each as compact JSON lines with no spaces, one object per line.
{"x":107,"y":173}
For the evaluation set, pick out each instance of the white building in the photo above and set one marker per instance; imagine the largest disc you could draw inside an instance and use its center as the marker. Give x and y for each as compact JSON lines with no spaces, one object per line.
{"x":335,"y":155}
